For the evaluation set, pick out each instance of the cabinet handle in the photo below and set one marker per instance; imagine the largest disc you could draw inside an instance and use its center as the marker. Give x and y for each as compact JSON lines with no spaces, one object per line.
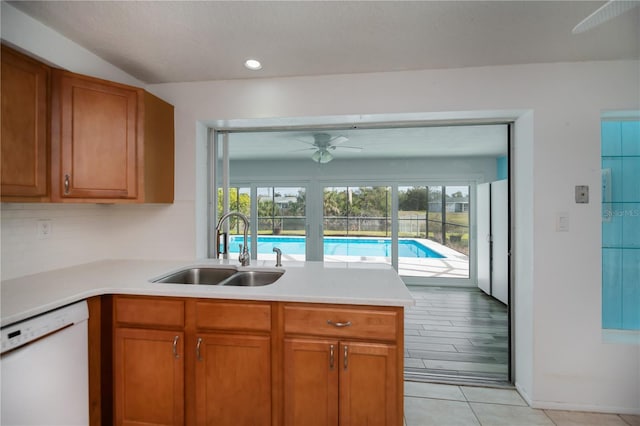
{"x":175,"y":347}
{"x":66,"y":183}
{"x":198,"y":357}
{"x":339,"y":324}
{"x":331,"y":357}
{"x":346,"y":356}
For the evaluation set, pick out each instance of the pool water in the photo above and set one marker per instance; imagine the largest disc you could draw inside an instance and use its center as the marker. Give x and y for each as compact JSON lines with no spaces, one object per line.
{"x":341,"y":246}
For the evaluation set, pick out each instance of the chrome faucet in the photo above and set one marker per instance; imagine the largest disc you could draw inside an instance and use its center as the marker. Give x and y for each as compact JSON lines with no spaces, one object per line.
{"x":244,"y":256}
{"x":278,"y":253}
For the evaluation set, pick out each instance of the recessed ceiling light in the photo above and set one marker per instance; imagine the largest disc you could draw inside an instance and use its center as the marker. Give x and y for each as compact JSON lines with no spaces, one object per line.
{"x":252,"y":64}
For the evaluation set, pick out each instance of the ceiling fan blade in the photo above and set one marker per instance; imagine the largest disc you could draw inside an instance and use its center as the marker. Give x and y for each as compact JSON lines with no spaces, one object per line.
{"x":348,"y":148}
{"x":608,"y":11}
{"x":312,"y":143}
{"x":338,"y":140}
{"x":304,"y":149}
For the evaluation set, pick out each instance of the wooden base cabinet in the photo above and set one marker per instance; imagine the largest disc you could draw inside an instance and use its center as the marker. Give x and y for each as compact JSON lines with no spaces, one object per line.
{"x":149,"y":380}
{"x":233,"y":380}
{"x":339,"y":383}
{"x":248,"y":363}
{"x":192,"y":361}
{"x":311,"y":380}
{"x":368,"y":384}
{"x":343,"y":377}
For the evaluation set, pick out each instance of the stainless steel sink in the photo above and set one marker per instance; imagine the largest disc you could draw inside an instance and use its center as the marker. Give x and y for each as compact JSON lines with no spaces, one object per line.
{"x":209,"y":276}
{"x":253,"y":278}
{"x":221,"y":276}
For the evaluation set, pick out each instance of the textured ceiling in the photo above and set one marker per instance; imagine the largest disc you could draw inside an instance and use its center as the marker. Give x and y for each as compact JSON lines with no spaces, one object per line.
{"x":173,"y":41}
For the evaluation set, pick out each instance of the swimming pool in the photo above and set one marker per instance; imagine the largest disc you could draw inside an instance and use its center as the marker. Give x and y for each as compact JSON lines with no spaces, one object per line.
{"x":342,"y":246}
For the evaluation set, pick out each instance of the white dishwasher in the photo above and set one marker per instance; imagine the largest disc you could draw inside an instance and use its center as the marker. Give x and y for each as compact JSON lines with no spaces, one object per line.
{"x":44,"y":366}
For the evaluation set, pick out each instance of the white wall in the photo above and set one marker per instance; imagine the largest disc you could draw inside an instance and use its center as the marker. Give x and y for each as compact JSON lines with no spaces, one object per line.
{"x":561,"y":358}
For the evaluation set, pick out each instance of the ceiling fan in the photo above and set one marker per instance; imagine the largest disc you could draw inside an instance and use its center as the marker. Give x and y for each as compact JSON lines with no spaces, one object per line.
{"x":607,"y":11}
{"x":323,"y":143}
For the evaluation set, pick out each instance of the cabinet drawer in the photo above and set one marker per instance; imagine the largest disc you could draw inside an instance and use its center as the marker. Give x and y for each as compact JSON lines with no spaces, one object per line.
{"x":233,"y":316}
{"x":365,"y":323}
{"x":160,"y":311}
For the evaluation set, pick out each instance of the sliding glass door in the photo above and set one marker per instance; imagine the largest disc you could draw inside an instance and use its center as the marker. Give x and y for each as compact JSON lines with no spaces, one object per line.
{"x":277,"y":217}
{"x":433,"y":231}
{"x":281,"y":221}
{"x":357,"y":224}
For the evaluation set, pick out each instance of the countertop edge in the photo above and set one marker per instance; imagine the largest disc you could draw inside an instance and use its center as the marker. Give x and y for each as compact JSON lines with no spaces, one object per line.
{"x":142,"y":287}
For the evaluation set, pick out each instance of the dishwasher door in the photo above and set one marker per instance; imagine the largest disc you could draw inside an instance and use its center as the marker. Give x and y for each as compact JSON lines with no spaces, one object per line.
{"x":45,"y":380}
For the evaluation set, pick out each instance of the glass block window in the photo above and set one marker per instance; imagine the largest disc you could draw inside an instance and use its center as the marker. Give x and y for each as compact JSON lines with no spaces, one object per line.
{"x":621,"y":225}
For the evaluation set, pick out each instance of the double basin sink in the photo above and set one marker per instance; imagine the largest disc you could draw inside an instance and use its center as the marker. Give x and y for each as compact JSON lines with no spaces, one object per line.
{"x":227,"y":275}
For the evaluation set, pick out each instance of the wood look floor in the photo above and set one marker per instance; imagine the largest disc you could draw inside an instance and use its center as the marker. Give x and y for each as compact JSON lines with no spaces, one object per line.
{"x":456,"y":335}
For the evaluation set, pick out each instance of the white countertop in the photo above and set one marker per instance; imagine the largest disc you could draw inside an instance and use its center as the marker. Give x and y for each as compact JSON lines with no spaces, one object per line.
{"x":315,"y":282}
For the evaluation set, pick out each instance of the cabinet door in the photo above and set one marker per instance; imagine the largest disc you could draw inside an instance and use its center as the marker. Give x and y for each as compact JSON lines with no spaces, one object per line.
{"x":149,"y":377}
{"x":24,"y":125}
{"x":311,"y":382}
{"x":368,"y":384}
{"x":233,"y":380}
{"x":95,"y":138}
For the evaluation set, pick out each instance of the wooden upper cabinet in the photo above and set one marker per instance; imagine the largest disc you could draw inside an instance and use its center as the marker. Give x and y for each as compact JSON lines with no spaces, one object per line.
{"x":24,"y":134}
{"x":95,"y":138}
{"x":100,"y":149}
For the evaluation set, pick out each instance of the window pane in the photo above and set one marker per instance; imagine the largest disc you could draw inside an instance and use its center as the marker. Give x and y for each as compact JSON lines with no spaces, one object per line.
{"x":457,"y":218}
{"x":357,"y":224}
{"x":239,"y":201}
{"x":433,"y":232}
{"x":282,"y":222}
{"x":335,"y":211}
{"x":412,"y":211}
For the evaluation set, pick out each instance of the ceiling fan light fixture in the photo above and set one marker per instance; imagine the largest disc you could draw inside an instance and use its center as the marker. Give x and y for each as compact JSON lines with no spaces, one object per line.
{"x":322,"y":156}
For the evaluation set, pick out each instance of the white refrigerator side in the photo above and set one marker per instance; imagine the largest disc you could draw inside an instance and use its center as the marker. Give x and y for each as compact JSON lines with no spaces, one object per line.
{"x":500,"y":237}
{"x":483,"y":237}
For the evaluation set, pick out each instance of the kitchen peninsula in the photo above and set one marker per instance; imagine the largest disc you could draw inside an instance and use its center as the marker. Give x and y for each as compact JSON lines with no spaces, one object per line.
{"x":323,"y":344}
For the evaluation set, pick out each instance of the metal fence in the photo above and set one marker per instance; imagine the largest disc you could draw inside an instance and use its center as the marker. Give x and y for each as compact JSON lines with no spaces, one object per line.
{"x":449,"y":234}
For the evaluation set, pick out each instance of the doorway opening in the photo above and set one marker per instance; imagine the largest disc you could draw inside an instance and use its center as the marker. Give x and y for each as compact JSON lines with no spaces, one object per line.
{"x":402,"y":195}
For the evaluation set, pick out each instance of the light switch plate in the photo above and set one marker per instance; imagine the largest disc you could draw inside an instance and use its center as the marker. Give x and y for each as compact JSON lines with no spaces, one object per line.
{"x":582,"y":194}
{"x":562,"y":222}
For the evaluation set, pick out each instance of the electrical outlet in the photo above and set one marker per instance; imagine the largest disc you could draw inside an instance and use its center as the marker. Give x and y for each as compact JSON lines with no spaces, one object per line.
{"x":44,"y":229}
{"x":582,"y":194}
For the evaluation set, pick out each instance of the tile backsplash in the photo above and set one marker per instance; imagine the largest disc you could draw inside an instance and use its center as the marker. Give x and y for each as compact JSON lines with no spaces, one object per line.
{"x":81,"y":233}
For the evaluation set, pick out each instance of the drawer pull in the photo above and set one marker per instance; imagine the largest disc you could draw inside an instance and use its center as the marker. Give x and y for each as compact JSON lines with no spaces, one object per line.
{"x":339,"y":324}
{"x":331,"y":357}
{"x":175,"y":347}
{"x":198,"y":357}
